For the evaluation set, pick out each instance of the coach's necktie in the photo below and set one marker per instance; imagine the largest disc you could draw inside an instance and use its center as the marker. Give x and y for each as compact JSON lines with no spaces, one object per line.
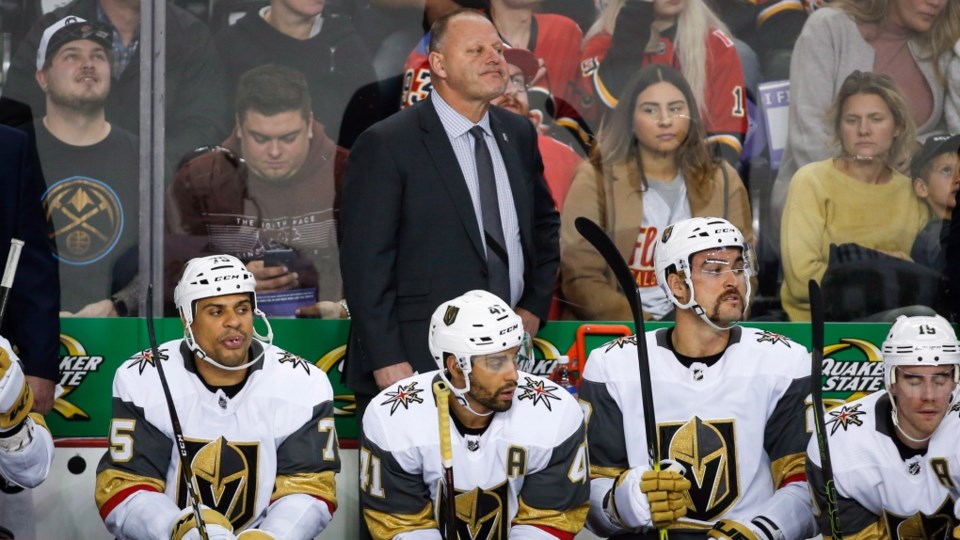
{"x":497,"y":260}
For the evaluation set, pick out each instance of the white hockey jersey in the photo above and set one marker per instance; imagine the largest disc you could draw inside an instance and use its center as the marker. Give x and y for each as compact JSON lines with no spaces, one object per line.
{"x":25,"y":458}
{"x":880,"y":492}
{"x":272,"y":444}
{"x":737,"y":426}
{"x":524,"y":476}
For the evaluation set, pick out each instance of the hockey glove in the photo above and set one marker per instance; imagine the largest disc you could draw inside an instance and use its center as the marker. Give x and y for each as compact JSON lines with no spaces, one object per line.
{"x":218,"y":526}
{"x":16,"y":398}
{"x":759,"y":528}
{"x":255,"y":534}
{"x":666,"y":490}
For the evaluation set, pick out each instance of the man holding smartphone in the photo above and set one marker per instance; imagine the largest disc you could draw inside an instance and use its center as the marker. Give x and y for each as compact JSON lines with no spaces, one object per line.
{"x":267,"y":197}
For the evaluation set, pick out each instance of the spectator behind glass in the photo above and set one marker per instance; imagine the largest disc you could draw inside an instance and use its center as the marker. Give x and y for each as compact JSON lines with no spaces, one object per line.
{"x":275,"y":209}
{"x":327,"y":50}
{"x":651,"y":168}
{"x":683,"y":34}
{"x":195,"y":110}
{"x":935,"y":181}
{"x":908,"y":40}
{"x":91,"y":170}
{"x":857,"y":196}
{"x":559,"y":160}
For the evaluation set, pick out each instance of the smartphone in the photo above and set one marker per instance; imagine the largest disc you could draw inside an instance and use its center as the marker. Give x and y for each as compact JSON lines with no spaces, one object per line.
{"x":278,"y":257}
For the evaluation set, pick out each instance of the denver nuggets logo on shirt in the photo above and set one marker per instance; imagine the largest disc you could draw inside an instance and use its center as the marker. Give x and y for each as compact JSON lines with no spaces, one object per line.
{"x":225,"y":474}
{"x":707,"y":449}
{"x":87,"y":219}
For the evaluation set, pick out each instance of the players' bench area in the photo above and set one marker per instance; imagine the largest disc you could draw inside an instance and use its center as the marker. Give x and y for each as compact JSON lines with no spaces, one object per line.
{"x":91,"y":350}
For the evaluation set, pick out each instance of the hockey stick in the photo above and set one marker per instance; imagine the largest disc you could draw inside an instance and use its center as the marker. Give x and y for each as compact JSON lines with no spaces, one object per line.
{"x":816,"y":395}
{"x":602,"y":243}
{"x":186,"y":473}
{"x":9,"y":271}
{"x":442,"y":393}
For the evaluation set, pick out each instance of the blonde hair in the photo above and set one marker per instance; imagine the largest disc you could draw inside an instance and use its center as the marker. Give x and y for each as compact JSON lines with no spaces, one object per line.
{"x":936,"y":41}
{"x":882,"y":86}
{"x":693,"y":26}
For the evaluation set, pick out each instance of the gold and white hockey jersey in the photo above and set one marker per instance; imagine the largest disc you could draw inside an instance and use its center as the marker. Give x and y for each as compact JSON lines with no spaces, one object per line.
{"x":264,"y":458}
{"x":523,"y":477}
{"x":881,"y":494}
{"x":26,"y":454}
{"x":736,"y":425}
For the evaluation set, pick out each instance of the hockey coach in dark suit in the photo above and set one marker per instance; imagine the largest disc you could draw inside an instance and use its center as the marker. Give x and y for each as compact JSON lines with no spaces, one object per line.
{"x":439,"y":199}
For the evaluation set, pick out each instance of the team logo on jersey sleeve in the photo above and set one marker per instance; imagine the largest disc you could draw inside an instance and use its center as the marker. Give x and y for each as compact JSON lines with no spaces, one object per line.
{"x":405,"y":395}
{"x":295,"y":361}
{"x":844,"y":417}
{"x":226,"y":478}
{"x":87,"y":218}
{"x":622,"y":342}
{"x":538,"y":391}
{"x":707,"y":449}
{"x":773,"y":338}
{"x":920,"y":526}
{"x":481,"y":513}
{"x":145,"y":358}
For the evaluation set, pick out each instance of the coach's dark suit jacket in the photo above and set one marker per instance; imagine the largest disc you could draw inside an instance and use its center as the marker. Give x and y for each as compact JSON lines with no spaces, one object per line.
{"x":411,"y":239}
{"x":32,"y":320}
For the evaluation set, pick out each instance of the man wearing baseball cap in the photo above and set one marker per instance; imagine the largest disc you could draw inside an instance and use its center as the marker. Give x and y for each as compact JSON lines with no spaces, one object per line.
{"x":86,"y":158}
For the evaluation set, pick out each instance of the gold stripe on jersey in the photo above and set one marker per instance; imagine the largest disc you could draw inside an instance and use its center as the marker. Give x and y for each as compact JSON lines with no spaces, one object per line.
{"x":597,"y":471}
{"x":874,"y":531}
{"x":319,"y":484}
{"x":38,"y":420}
{"x":112,"y":481}
{"x":787,"y":466}
{"x":569,"y":520}
{"x":384,"y":525}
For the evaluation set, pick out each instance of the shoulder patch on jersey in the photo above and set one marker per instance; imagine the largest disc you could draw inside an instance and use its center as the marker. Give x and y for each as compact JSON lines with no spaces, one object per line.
{"x":621,"y":342}
{"x":405,"y":395}
{"x":145,"y":358}
{"x":538,"y":391}
{"x":294,"y":361}
{"x":589,"y":66}
{"x":773,"y":338}
{"x":845,"y":416}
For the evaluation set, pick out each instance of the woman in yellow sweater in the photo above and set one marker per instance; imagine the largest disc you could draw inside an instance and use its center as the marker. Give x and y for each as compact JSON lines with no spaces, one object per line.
{"x":856,"y":197}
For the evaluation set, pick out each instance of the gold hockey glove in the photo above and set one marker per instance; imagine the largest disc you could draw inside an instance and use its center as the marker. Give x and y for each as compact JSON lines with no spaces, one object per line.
{"x":16,"y":398}
{"x":666,"y":490}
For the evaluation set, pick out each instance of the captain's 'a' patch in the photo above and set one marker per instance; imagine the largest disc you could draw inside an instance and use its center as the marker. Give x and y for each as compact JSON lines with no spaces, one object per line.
{"x":538,"y":391}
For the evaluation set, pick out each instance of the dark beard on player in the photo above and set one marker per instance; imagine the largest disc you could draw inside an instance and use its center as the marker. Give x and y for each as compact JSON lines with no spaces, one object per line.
{"x":490,"y":399}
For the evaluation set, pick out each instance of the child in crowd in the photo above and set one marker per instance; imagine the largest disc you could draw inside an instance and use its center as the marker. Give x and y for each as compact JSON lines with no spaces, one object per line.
{"x":936,"y":178}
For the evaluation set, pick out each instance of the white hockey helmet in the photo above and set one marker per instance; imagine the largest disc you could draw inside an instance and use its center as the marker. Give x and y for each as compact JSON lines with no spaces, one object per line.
{"x":920,"y":341}
{"x":476,"y":323}
{"x":681,"y":241}
{"x":216,"y":275}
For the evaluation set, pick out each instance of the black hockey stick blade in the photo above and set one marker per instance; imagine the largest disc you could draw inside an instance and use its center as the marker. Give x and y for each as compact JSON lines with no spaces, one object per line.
{"x":816,"y":396}
{"x":186,"y":473}
{"x":602,"y":243}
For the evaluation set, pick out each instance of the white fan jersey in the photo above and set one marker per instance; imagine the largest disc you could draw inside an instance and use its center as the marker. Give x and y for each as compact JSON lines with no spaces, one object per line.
{"x":526,"y":470}
{"x":880,"y":492}
{"x":272,"y":444}
{"x":737,"y":426}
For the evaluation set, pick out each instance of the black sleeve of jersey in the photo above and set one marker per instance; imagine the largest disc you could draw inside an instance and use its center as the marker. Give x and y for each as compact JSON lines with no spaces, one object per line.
{"x":312,"y":448}
{"x":607,"y":447}
{"x":785,"y":436}
{"x":628,"y":45}
{"x":137,"y":447}
{"x":855,"y":520}
{"x":559,"y":493}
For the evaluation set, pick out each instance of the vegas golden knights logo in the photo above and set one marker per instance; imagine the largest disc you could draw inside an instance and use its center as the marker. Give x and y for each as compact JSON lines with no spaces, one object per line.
{"x":87,"y":219}
{"x":481,"y":513}
{"x":938,"y":526}
{"x":226,"y":478}
{"x":707,"y":449}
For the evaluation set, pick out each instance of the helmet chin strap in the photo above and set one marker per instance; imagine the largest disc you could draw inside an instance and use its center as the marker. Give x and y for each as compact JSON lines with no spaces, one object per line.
{"x":461,"y":393}
{"x":896,"y":423}
{"x":267,"y":339}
